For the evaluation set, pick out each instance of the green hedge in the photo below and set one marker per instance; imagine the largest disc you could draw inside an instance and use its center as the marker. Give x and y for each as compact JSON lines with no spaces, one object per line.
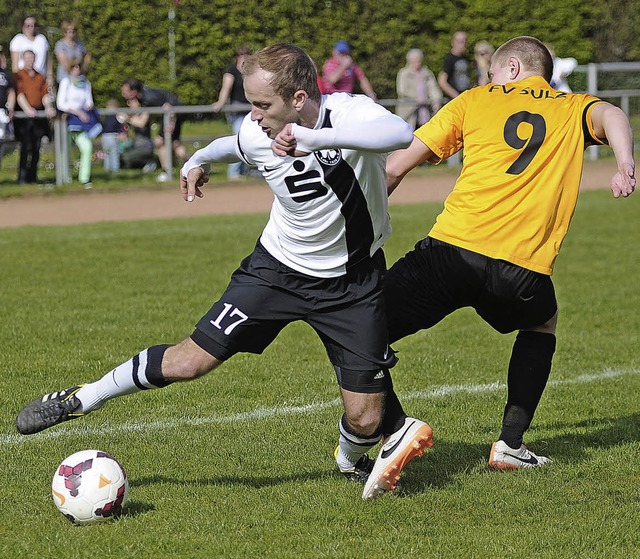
{"x":131,"y":38}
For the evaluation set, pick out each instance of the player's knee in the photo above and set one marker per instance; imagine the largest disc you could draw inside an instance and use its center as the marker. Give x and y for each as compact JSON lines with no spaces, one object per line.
{"x":548,"y":327}
{"x":364,"y":419}
{"x":363,"y":397}
{"x":187,"y":361}
{"x":366,"y":424}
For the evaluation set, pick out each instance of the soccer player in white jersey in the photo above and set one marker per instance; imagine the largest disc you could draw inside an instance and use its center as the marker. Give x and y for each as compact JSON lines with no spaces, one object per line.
{"x":319,"y":259}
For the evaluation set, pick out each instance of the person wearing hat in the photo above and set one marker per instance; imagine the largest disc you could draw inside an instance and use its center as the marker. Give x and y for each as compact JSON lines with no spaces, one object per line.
{"x":340,"y":73}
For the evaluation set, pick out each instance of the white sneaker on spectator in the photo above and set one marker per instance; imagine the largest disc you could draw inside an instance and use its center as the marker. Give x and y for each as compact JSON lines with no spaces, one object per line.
{"x":163,"y":177}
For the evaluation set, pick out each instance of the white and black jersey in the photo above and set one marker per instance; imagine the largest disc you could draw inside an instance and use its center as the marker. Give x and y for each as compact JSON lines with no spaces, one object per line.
{"x":330,"y":207}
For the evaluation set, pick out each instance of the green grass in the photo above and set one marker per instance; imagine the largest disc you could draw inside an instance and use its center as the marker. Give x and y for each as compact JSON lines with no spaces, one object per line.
{"x":230,"y":466}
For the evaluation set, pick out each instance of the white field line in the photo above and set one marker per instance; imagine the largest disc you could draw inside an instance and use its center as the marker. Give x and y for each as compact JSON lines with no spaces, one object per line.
{"x":263,"y":414}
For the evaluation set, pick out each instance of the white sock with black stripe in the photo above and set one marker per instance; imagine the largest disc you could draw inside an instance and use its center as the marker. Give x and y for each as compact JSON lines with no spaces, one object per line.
{"x":142,"y":372}
{"x":352,"y":447}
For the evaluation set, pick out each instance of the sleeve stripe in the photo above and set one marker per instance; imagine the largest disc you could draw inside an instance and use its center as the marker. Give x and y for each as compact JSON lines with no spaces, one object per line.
{"x":589,"y":139}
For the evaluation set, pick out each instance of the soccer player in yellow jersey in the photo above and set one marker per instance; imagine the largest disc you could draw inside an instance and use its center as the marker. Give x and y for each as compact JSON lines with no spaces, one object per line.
{"x":494,"y":245}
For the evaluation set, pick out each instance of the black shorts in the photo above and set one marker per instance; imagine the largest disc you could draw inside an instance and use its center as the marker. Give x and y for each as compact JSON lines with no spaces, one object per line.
{"x":436,"y":278}
{"x":347,"y":312}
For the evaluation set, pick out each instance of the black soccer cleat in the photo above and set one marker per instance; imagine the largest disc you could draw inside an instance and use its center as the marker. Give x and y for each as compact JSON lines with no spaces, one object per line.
{"x":360,"y":471}
{"x":49,"y":410}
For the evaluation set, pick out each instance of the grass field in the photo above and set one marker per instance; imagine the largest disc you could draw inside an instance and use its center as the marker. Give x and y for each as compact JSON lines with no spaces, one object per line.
{"x":239,"y":464}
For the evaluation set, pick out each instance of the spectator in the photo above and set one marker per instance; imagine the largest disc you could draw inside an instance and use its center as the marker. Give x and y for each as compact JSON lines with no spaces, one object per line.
{"x":232,"y":90}
{"x":75,"y":99}
{"x":37,"y":44}
{"x":136,"y":148}
{"x":3,"y":60}
{"x":417,"y":90}
{"x":7,"y":100}
{"x":113,"y":132}
{"x":455,"y":75}
{"x":138,"y":95}
{"x":483,"y":52}
{"x":340,"y":73}
{"x":32,"y":95}
{"x":69,"y":48}
{"x":562,"y":67}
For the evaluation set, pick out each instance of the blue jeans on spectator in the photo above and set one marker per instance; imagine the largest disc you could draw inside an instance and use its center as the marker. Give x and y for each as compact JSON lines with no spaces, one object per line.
{"x":235,"y":170}
{"x":111,"y":152}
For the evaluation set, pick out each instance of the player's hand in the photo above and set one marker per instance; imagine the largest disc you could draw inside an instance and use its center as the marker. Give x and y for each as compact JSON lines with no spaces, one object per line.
{"x":624,"y":181}
{"x":285,"y":144}
{"x":190,"y":186}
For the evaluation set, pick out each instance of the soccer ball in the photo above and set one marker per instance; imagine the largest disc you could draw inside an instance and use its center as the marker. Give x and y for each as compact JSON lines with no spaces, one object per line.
{"x":90,"y":486}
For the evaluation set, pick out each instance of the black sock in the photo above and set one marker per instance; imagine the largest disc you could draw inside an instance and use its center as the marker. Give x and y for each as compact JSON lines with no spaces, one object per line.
{"x":529,"y":370}
{"x":394,"y":415}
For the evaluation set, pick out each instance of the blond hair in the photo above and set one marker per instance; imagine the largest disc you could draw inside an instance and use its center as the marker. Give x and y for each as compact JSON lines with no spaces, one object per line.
{"x":531,"y":52}
{"x":74,"y":62}
{"x":291,"y":68}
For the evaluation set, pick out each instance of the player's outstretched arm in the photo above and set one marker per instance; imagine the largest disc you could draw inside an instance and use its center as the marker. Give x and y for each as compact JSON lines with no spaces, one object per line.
{"x":380,"y":134}
{"x":400,"y":162}
{"x":223,"y":149}
{"x":610,"y":122}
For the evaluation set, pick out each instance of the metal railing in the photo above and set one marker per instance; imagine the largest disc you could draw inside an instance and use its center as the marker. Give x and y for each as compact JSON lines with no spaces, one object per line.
{"x":61,"y":144}
{"x":60,"y":128}
{"x":593,"y":71}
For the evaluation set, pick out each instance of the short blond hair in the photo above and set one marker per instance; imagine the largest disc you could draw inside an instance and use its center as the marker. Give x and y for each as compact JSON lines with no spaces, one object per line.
{"x":531,"y":52}
{"x":292,"y":69}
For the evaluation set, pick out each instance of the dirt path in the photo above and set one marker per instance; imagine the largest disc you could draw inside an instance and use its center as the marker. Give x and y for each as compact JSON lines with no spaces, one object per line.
{"x":251,"y":197}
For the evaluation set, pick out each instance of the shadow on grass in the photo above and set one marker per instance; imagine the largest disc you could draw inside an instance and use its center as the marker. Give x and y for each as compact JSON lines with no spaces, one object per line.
{"x":136,"y":508}
{"x":443,"y":463}
{"x":571,"y":445}
{"x":255,"y":482}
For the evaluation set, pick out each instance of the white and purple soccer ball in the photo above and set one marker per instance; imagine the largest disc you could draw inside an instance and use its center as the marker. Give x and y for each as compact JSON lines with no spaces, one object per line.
{"x":90,"y":486}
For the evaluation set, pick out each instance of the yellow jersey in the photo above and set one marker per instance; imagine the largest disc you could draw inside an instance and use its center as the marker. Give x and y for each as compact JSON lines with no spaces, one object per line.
{"x":524,"y":147}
